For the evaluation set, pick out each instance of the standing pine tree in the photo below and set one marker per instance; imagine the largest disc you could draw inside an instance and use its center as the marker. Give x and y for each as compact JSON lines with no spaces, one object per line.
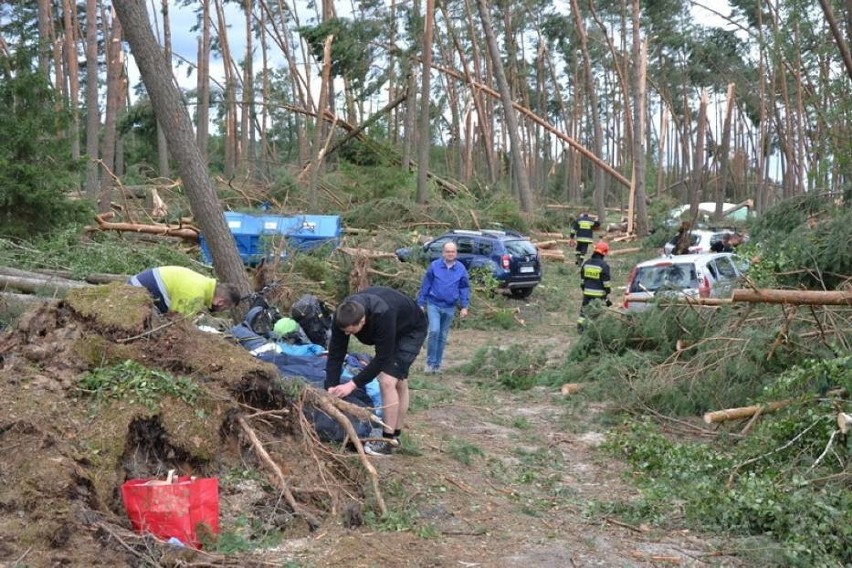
{"x":37,"y":173}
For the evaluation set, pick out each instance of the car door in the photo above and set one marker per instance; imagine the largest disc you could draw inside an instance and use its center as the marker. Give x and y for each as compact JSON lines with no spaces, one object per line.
{"x":465,"y":247}
{"x":727,"y":277}
{"x":434,"y":249}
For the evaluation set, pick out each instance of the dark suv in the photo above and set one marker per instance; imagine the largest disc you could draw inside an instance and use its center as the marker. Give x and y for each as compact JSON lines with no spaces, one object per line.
{"x":508,"y":256}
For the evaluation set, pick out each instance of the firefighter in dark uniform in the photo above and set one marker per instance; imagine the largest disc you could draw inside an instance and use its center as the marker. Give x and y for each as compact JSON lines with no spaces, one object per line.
{"x":583,"y":234}
{"x":594,"y":281}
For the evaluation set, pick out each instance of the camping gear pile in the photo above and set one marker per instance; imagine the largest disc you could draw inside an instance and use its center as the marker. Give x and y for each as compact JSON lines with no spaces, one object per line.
{"x":297,"y":346}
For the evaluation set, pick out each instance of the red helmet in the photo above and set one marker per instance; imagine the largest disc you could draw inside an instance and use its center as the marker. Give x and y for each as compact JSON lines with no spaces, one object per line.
{"x":601,"y":248}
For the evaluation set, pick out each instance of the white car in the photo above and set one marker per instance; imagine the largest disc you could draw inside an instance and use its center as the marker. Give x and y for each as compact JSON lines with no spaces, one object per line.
{"x":700,"y":240}
{"x":713,"y":275}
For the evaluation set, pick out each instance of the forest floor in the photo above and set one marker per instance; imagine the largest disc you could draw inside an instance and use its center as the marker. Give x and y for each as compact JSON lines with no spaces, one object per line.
{"x":501,"y":479}
{"x":486,"y":477}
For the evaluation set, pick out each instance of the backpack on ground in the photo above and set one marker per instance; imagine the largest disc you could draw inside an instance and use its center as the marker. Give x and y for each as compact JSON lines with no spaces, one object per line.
{"x":314,"y":317}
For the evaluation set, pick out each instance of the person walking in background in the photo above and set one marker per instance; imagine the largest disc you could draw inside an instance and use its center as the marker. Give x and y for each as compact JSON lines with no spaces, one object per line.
{"x":179,"y":289}
{"x":445,"y":285}
{"x":594,"y":281}
{"x":583,"y":234}
{"x":396,"y":326}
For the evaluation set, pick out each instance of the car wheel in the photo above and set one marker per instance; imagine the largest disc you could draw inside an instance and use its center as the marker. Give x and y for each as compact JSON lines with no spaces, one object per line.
{"x":521,"y":293}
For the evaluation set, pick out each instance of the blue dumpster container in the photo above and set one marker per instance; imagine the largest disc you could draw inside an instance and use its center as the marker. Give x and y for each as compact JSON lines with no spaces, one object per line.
{"x":258,"y":236}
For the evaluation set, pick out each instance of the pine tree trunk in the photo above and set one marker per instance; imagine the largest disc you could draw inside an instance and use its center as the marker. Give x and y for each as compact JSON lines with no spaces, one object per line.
{"x":230,"y":135}
{"x":44,"y":38}
{"x":69,"y":18}
{"x":93,"y":121}
{"x":519,"y":168}
{"x":162,"y":145}
{"x":114,"y":71}
{"x":170,"y":109}
{"x":202,"y":121}
{"x":424,"y":131}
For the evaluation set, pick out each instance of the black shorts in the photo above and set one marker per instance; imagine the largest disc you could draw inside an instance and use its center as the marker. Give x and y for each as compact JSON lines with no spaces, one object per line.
{"x":407,"y":349}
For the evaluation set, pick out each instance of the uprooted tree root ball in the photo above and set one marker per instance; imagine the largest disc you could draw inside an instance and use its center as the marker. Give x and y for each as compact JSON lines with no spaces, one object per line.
{"x":92,"y":396}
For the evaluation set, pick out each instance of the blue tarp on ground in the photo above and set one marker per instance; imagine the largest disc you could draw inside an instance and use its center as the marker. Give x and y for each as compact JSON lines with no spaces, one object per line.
{"x":307,"y":362}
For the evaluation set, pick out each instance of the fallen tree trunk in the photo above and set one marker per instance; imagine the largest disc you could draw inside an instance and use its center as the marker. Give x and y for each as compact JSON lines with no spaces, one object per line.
{"x":10,"y":298}
{"x":43,"y":285}
{"x":630,"y":298}
{"x":186,"y":233}
{"x":93,"y":278}
{"x":763,"y":296}
{"x":743,"y":412}
{"x":798,"y":297}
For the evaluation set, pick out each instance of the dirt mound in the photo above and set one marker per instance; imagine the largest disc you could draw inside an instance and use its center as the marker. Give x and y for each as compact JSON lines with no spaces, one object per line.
{"x":188,"y":401}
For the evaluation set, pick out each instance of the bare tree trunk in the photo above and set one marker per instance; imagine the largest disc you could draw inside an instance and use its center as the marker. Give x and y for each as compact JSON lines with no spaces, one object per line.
{"x":520,"y":173}
{"x":93,"y":121}
{"x":697,"y":185}
{"x":231,"y":142}
{"x":169,"y":107}
{"x":661,"y":153}
{"x":318,"y":150}
{"x":162,"y":146}
{"x":115,"y":67}
{"x":44,"y":38}
{"x":476,"y":97}
{"x":202,"y":122}
{"x":266,"y":153}
{"x":69,"y":13}
{"x":424,"y":132}
{"x":722,"y":178}
{"x":300,"y":91}
{"x":594,"y":116}
{"x":247,"y":139}
{"x":640,"y":57}
{"x":409,"y":141}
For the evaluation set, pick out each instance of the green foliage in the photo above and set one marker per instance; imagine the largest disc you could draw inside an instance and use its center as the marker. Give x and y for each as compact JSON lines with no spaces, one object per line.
{"x":804,"y":242}
{"x":627,"y":351}
{"x":64,"y":249}
{"x":132,"y":382}
{"x":784,"y":481}
{"x":244,"y":538}
{"x":352,"y":51}
{"x":515,"y":367}
{"x":37,"y":173}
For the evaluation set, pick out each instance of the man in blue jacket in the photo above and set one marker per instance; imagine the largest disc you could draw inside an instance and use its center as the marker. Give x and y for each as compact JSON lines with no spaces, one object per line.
{"x":445,"y":286}
{"x":397,"y":327}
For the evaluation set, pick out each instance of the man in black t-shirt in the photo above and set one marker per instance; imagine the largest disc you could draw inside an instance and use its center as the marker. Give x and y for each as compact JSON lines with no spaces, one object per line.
{"x":397,"y":327}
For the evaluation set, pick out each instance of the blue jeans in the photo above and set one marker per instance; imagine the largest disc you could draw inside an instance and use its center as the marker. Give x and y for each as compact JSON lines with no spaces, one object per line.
{"x":440,"y":320}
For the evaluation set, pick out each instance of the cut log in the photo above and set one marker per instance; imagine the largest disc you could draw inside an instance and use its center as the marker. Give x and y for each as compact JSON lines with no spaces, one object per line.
{"x":556,"y":255}
{"x":797,"y":297}
{"x":10,"y":298}
{"x":53,"y":286}
{"x":547,"y":235}
{"x":743,"y":412}
{"x":764,"y":296}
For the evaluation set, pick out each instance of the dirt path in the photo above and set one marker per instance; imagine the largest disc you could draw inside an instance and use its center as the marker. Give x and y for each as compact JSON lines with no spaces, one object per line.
{"x":502,"y":479}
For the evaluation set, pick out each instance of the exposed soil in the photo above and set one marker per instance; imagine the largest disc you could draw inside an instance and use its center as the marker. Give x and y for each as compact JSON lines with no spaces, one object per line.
{"x":487,"y":477}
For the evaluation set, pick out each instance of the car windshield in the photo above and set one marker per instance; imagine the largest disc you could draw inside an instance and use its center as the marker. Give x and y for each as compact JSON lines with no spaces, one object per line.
{"x":520,"y":248}
{"x":664,"y":277}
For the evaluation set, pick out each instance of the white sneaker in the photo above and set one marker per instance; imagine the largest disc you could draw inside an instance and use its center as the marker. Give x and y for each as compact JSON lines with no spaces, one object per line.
{"x":379,"y":448}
